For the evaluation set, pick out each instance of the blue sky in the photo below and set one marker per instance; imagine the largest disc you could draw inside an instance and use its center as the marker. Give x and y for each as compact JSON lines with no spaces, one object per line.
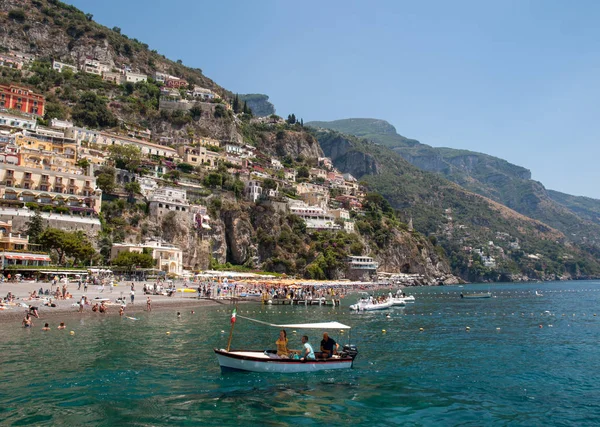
{"x":514,"y":79}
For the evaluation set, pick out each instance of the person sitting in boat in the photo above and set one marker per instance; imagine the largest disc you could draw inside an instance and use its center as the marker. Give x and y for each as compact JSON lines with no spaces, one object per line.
{"x":328,"y":347}
{"x":282,"y":344}
{"x":307,"y":351}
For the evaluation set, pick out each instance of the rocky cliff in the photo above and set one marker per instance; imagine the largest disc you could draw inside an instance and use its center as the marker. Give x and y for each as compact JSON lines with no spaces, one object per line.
{"x":259,"y":104}
{"x":346,"y":158}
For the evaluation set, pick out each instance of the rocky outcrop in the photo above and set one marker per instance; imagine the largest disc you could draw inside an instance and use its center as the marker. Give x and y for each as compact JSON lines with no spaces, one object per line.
{"x":239,"y":236}
{"x":259,"y":104}
{"x":411,"y":253}
{"x":290,"y":143}
{"x":347,"y":159}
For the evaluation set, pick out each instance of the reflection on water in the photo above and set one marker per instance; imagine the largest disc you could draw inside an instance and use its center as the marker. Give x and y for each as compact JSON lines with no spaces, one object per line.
{"x":504,"y":370}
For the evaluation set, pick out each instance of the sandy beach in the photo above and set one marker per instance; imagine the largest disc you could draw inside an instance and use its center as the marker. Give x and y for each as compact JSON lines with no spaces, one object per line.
{"x":65,"y":309}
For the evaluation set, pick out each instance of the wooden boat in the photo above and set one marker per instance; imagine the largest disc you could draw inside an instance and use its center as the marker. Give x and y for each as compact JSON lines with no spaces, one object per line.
{"x":268,"y":361}
{"x":476,"y":295}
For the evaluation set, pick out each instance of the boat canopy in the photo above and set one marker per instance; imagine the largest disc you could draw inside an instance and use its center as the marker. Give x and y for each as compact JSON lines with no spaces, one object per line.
{"x":320,"y":325}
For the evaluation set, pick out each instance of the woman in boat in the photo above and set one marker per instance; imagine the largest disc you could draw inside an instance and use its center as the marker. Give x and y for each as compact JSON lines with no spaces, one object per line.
{"x":282,"y":344}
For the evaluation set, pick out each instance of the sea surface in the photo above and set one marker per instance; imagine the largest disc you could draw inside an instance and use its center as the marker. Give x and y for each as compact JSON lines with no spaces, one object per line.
{"x":526,"y":360}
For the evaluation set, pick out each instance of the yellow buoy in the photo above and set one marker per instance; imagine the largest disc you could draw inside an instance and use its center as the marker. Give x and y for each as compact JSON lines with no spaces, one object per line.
{"x":421,"y":329}
{"x":72,"y":332}
{"x":468,"y":328}
{"x":383,"y":330}
{"x":168,"y":333}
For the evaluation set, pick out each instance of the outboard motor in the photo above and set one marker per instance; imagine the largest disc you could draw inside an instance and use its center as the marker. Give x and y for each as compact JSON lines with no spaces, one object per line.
{"x":349,"y":350}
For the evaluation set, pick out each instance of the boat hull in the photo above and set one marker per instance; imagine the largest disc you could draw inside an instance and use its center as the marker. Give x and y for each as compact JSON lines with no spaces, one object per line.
{"x":258,"y":361}
{"x":473,"y":296}
{"x":371,"y":307}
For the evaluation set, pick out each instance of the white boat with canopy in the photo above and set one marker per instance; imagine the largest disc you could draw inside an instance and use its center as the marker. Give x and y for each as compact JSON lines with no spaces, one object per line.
{"x":269,"y":361}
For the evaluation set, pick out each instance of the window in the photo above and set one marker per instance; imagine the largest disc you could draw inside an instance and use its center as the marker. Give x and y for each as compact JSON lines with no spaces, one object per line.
{"x":8,"y":183}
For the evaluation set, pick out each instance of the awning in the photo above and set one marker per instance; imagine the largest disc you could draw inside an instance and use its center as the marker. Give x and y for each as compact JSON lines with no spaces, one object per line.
{"x":320,"y":325}
{"x":28,"y":257}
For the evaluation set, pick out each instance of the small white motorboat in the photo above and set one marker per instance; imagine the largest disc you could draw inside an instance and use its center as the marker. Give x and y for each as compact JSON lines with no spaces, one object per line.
{"x":400,"y":298}
{"x":368,"y":303}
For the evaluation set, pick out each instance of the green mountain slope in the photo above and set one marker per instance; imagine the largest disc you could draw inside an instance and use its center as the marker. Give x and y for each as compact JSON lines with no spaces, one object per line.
{"x":459,"y":220}
{"x":489,"y":176}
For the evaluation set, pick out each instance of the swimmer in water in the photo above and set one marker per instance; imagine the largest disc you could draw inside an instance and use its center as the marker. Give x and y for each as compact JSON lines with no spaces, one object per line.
{"x":46,"y":327}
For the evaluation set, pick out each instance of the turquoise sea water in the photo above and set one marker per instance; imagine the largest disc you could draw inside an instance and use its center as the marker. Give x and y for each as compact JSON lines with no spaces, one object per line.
{"x":115,"y":371}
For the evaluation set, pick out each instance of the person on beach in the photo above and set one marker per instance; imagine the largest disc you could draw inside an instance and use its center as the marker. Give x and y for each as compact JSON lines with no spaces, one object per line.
{"x":103,"y":308}
{"x":282,"y":344}
{"x":62,"y":325}
{"x":148,"y":304}
{"x":132,"y":294}
{"x":81,"y":304}
{"x":178,"y":315}
{"x":27,"y":322}
{"x":46,"y":327}
{"x":307,"y":352}
{"x":95,"y":307}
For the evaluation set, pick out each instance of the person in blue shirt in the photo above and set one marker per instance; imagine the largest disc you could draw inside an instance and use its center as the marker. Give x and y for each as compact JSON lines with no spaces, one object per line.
{"x":307,"y":351}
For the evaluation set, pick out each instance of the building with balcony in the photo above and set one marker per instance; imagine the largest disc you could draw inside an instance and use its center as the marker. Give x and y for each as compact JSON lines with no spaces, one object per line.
{"x":22,"y":184}
{"x":168,"y":258}
{"x":60,"y":66}
{"x":107,"y":139}
{"x":12,"y":121}
{"x":11,"y":61}
{"x":14,"y":249}
{"x":315,"y":217}
{"x":168,"y":199}
{"x":198,"y":156}
{"x":21,"y":98}
{"x":135,"y":77}
{"x":361,"y":268}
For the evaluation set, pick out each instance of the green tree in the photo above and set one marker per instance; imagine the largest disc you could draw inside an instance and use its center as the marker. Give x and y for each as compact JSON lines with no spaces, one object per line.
{"x":213,"y":180}
{"x":67,"y":244}
{"x":269,"y":184}
{"x":236,"y":104}
{"x":35,"y":227}
{"x":91,"y":111}
{"x":128,"y":157}
{"x":303,"y":172}
{"x":133,"y":188}
{"x":133,"y":259}
{"x":105,"y":178}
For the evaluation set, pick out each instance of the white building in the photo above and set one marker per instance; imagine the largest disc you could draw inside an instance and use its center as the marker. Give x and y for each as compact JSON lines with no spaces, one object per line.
{"x":60,"y":66}
{"x":60,"y":124}
{"x":202,"y":93}
{"x":276,"y":164}
{"x":135,"y":77}
{"x":168,"y":258}
{"x":253,"y":190}
{"x":168,"y":199}
{"x":315,"y":217}
{"x":17,"y":122}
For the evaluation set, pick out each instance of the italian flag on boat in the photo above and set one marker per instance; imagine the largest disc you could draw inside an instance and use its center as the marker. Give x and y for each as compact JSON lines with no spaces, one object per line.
{"x":233,"y":314}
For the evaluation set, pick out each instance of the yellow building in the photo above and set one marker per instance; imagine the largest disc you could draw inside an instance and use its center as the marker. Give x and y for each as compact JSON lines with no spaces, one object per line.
{"x":49,"y":186}
{"x":199,"y":156}
{"x":49,"y":146}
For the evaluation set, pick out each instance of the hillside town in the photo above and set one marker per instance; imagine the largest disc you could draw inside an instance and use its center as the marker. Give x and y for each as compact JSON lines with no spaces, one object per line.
{"x":53,"y":171}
